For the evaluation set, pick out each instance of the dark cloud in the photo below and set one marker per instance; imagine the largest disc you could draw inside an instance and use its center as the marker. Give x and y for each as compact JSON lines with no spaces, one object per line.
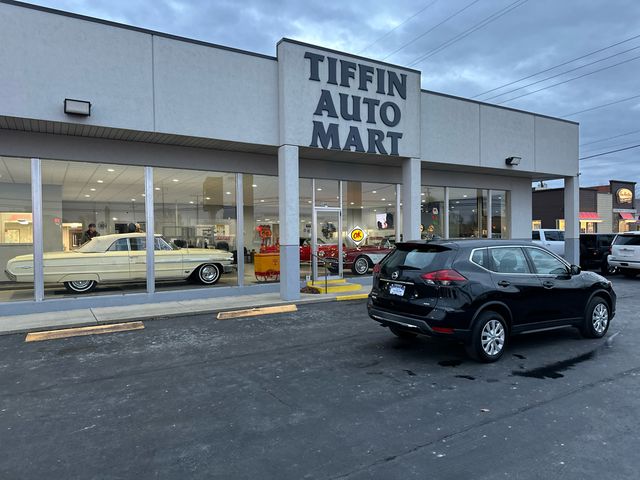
{"x":536,"y":35}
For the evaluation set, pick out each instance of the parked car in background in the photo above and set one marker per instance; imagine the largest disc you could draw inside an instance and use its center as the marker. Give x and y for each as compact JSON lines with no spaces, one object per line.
{"x":625,"y":253}
{"x":361,"y":259}
{"x":324,"y":249}
{"x":121,"y":258}
{"x":594,"y":250}
{"x":551,"y":239}
{"x":482,"y":291}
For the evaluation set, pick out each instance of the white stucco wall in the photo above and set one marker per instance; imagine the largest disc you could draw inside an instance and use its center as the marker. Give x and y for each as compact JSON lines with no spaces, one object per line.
{"x":208,"y":92}
{"x":458,"y":131}
{"x":145,"y":82}
{"x":46,"y":58}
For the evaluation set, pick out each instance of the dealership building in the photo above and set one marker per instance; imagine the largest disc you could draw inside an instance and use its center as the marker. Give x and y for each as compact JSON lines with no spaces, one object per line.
{"x":211,"y":146}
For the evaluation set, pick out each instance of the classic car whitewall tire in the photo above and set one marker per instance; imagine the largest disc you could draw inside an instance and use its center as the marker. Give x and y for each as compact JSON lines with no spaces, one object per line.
{"x":208,"y":274}
{"x":361,"y":266}
{"x":80,"y":286}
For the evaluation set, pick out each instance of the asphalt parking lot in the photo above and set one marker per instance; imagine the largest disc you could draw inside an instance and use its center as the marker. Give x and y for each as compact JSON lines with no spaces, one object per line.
{"x":323,"y":393}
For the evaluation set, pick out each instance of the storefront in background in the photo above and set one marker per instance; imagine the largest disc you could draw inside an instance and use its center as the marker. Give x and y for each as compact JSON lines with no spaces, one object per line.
{"x":260,"y":166}
{"x":603,"y":209}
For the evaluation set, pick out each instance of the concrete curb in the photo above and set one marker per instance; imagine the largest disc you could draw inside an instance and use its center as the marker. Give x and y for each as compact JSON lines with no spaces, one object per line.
{"x":36,"y":322}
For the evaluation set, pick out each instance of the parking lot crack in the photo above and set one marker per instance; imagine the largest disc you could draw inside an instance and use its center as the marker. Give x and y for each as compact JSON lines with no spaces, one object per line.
{"x":276,"y":397}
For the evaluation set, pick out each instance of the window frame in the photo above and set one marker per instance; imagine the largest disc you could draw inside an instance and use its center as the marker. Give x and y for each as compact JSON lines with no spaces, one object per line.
{"x":548,"y":252}
{"x":490,"y":259}
{"x":116,"y":241}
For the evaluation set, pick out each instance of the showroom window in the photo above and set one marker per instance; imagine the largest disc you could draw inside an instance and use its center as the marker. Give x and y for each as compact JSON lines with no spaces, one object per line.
{"x":195,"y":214}
{"x":87,"y":202}
{"x":432,"y":209}
{"x":16,"y":230}
{"x":306,"y":213}
{"x":261,"y":228}
{"x":468,"y":213}
{"x":372,"y":207}
{"x":499,"y":223}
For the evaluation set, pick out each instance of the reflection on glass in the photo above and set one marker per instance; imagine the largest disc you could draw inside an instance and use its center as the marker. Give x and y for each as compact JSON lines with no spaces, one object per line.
{"x":327,"y":193}
{"x":261,"y":228}
{"x":499,"y":224}
{"x":467,"y":213}
{"x":372,"y":207}
{"x":196,"y":212}
{"x":83,"y":202}
{"x":306,"y":210}
{"x":16,"y":229}
{"x":432,"y":212}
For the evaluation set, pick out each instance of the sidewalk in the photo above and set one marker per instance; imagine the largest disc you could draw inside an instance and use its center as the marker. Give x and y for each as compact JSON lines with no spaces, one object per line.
{"x":103,"y":315}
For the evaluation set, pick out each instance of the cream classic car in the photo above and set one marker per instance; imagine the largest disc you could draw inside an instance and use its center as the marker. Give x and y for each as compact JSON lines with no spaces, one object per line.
{"x":122,"y":258}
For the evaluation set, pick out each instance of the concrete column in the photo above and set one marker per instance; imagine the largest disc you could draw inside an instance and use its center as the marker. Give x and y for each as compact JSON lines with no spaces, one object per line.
{"x":520,"y":210}
{"x":571,"y":222}
{"x":411,"y":180}
{"x":288,"y":191}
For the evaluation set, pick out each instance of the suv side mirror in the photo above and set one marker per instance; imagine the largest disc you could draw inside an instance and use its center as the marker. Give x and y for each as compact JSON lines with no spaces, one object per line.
{"x":575,"y":269}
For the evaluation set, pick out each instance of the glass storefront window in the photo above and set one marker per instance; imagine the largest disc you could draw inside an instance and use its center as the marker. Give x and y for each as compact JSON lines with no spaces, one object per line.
{"x":499,"y":223}
{"x":16,"y":230}
{"x":91,"y":203}
{"x":432,"y":211}
{"x":261,"y":228}
{"x":372,"y":207}
{"x":468,"y":213}
{"x":327,"y":193}
{"x":195,"y":214}
{"x":306,"y":214}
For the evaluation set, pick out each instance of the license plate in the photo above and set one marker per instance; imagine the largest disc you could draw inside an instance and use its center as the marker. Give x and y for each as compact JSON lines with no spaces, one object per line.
{"x":395,"y":289}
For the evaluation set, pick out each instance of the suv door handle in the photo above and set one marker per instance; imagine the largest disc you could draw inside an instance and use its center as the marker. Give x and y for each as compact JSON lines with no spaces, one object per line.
{"x":504,"y":283}
{"x":548,"y":284}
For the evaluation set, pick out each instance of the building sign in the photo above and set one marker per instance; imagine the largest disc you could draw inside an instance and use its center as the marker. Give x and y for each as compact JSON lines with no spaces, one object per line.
{"x":361,"y":108}
{"x":625,"y":196}
{"x":338,"y":102}
{"x":357,"y":235}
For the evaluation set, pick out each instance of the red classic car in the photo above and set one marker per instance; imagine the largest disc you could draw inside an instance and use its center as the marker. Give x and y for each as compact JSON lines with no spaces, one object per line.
{"x":324,"y":249}
{"x":361,"y":259}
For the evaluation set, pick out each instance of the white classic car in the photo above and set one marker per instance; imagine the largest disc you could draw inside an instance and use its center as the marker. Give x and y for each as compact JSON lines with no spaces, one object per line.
{"x":122,"y":258}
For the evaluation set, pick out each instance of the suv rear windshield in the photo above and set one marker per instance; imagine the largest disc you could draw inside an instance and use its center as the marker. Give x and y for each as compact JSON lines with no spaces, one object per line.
{"x":423,"y":257}
{"x":627,"y":240}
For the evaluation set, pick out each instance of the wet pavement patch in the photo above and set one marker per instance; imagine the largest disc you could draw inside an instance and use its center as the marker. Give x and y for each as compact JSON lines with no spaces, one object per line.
{"x":554,"y":370}
{"x":450,"y":363}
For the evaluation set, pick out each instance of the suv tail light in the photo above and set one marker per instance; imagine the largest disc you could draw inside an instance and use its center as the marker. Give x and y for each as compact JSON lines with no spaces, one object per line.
{"x":443,"y":277}
{"x":376,"y":269}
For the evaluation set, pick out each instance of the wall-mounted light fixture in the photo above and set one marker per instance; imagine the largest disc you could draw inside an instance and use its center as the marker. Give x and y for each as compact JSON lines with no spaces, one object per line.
{"x":512,"y":161}
{"x":77,"y":107}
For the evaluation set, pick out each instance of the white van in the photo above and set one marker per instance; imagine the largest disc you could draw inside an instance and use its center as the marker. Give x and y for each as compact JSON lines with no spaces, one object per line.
{"x":625,"y":253}
{"x":551,"y":239}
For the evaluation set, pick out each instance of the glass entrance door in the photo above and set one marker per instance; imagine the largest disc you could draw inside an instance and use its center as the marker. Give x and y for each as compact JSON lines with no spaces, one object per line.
{"x":326,"y":235}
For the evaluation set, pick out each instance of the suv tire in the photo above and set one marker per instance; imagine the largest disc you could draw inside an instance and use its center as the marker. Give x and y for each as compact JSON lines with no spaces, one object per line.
{"x":488,"y":337}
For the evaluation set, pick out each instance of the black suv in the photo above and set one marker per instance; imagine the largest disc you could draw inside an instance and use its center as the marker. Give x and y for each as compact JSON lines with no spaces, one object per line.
{"x":482,"y":291}
{"x":594,"y":249}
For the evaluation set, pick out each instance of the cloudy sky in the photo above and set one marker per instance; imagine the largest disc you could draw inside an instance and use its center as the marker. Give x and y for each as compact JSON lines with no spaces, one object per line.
{"x":462,"y":47}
